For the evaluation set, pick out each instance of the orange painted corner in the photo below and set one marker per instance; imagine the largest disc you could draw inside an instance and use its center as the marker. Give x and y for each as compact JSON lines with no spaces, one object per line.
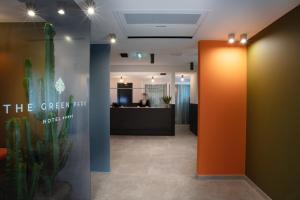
{"x":222,"y":108}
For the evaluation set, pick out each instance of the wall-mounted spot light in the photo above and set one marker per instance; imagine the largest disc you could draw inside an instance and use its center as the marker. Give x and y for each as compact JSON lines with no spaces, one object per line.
{"x":244,"y":38}
{"x":31,"y":11}
{"x":139,"y":55}
{"x":182,"y":78}
{"x":91,"y":7}
{"x":121,"y":80}
{"x":68,"y":38}
{"x":152,"y":80}
{"x":231,"y":38}
{"x":112,"y":38}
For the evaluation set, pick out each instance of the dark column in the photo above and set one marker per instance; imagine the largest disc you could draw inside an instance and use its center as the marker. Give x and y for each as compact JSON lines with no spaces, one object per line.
{"x":99,"y":107}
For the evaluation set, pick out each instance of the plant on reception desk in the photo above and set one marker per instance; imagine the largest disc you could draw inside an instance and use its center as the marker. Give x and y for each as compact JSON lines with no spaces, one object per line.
{"x":167,"y":100}
{"x":42,"y":156}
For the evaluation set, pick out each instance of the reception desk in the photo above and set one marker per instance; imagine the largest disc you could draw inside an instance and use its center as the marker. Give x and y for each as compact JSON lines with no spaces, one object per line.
{"x":142,"y":121}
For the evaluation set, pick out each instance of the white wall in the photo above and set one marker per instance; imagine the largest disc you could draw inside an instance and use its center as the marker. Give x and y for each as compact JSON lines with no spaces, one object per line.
{"x":138,"y":86}
{"x":194,"y":88}
{"x":152,"y":68}
{"x":170,"y":70}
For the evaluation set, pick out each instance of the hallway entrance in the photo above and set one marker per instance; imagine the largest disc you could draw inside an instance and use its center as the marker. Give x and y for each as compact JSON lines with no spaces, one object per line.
{"x":148,"y":168}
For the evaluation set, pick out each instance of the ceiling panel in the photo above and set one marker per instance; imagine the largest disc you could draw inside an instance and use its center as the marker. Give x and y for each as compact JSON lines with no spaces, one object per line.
{"x":146,"y":23}
{"x":161,"y":18}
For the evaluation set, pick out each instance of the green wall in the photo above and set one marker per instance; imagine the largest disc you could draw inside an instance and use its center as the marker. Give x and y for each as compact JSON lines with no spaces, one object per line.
{"x":273,"y":123}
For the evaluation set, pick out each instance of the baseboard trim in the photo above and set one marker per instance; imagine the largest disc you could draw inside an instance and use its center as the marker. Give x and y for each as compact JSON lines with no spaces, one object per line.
{"x":258,"y":189}
{"x":221,"y":177}
{"x":235,"y":177}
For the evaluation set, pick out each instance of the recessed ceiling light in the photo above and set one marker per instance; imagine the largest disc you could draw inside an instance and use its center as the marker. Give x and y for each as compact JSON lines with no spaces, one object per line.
{"x":68,"y":38}
{"x":243,"y":39}
{"x":90,"y":7}
{"x":31,"y":13}
{"x":91,"y":10}
{"x":113,"y":40}
{"x":30,"y":10}
{"x":61,"y":11}
{"x":231,"y":38}
{"x":139,"y":55}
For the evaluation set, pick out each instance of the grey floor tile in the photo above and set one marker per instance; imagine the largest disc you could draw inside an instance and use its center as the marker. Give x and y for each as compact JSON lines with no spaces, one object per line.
{"x":162,"y":168}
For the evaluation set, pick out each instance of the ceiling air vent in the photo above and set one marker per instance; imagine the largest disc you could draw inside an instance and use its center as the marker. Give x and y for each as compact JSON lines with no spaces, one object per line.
{"x":156,"y":24}
{"x":157,"y":18}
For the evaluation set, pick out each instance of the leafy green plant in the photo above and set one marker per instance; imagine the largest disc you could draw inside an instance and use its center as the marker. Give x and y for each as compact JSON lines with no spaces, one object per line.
{"x":167,"y":99}
{"x":42,"y":156}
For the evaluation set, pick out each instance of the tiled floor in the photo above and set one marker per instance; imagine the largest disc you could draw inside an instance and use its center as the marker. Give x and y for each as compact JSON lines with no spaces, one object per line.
{"x":162,"y":168}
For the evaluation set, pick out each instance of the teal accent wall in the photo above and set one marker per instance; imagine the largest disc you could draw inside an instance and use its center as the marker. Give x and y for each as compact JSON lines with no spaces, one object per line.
{"x":100,"y":107}
{"x":273,"y":120}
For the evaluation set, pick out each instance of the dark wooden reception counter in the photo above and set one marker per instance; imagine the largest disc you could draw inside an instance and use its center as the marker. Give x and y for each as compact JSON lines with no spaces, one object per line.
{"x":142,"y":121}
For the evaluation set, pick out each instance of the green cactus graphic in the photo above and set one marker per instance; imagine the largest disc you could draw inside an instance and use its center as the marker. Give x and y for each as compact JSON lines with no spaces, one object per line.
{"x":39,"y":159}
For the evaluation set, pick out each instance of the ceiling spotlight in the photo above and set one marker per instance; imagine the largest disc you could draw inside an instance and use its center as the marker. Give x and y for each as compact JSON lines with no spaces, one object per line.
{"x":244,"y":38}
{"x":231,"y":38}
{"x":182,"y":78}
{"x":152,"y":80}
{"x":90,"y":7}
{"x":31,"y":13}
{"x":91,"y":10}
{"x":139,"y":55}
{"x":30,"y":10}
{"x":61,"y":11}
{"x":121,"y":80}
{"x":112,"y":38}
{"x":68,"y":38}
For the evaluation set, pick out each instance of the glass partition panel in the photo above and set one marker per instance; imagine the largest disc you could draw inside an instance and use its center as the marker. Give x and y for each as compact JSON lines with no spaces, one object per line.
{"x":44,"y":138}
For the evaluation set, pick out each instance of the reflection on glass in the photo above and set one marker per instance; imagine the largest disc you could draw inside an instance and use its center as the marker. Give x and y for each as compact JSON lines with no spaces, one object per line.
{"x":38,"y":145}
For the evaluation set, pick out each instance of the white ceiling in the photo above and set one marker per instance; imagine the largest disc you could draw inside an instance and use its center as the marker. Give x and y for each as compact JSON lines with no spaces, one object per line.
{"x":222,"y":17}
{"x":15,"y":11}
{"x":218,"y":18}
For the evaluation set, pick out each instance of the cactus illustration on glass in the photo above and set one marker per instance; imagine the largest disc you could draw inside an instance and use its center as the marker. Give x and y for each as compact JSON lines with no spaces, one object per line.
{"x":42,"y":156}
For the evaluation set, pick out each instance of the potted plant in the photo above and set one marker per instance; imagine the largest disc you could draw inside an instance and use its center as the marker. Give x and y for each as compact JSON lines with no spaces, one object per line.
{"x":167,"y":100}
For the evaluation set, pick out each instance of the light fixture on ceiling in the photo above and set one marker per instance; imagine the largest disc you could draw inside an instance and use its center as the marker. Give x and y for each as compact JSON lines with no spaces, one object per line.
{"x":152,"y":80}
{"x":112,"y":38}
{"x":191,"y":66}
{"x":231,"y":38}
{"x":68,"y":38}
{"x":121,"y":80}
{"x":90,"y":7}
{"x":61,"y":8}
{"x":152,"y":58}
{"x":139,"y":55}
{"x":244,"y":38}
{"x":31,"y":12}
{"x":182,"y":78}
{"x":61,"y":11}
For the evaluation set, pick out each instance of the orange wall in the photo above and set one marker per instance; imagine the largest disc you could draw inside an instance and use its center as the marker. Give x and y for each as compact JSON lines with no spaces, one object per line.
{"x":222,"y":108}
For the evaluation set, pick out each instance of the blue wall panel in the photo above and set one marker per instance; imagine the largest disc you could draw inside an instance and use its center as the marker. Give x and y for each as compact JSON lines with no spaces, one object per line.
{"x":99,"y":107}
